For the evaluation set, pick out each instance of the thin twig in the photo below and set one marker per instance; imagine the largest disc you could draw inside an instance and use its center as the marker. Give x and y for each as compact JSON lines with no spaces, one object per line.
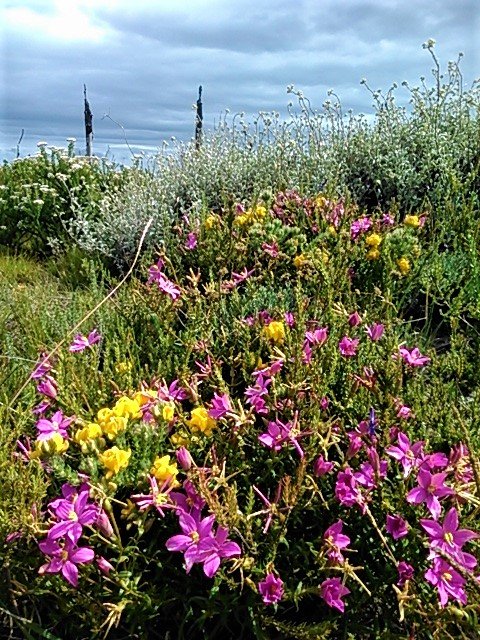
{"x":90,"y":313}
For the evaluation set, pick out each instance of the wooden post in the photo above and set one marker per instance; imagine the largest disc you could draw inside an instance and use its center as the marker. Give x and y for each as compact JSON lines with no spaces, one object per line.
{"x":199,"y":119}
{"x":88,"y":123}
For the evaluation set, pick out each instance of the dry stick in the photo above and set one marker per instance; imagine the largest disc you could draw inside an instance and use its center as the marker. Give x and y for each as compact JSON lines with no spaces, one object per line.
{"x":473,"y":460}
{"x":90,"y":313}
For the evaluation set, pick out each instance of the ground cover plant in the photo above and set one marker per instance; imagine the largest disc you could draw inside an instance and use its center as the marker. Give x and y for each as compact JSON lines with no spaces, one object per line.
{"x":253,"y":412}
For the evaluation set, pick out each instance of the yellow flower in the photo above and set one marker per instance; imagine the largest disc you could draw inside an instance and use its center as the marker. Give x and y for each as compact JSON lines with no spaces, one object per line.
{"x":179,"y":440}
{"x":373,"y":254}
{"x":125,"y":407}
{"x":373,"y":240}
{"x":123,"y":367}
{"x":104,"y":415}
{"x":300,"y":260}
{"x":91,"y":431}
{"x":275,"y":331}
{"x":210,"y":221}
{"x":114,"y":426}
{"x":201,"y":421}
{"x":260,"y":212}
{"x":114,"y":460}
{"x":163,"y":469}
{"x":412,"y":221}
{"x":168,"y":411}
{"x":331,"y":230}
{"x":320,"y":201}
{"x":403,"y":265}
{"x":241,"y":220}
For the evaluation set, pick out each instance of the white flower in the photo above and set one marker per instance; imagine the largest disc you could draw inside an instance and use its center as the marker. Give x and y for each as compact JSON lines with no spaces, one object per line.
{"x":42,"y":144}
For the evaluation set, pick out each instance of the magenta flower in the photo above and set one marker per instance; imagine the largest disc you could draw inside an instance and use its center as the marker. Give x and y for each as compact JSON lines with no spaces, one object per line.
{"x":413,"y":357}
{"x":256,"y":394}
{"x":348,"y":346}
{"x":80,"y":342}
{"x":42,"y":368}
{"x":375,"y":331}
{"x":354,"y":319}
{"x":321,"y":466}
{"x":48,"y":387}
{"x":271,"y":507}
{"x":172,"y":393}
{"x":104,"y":565}
{"x":449,"y":538}
{"x":184,"y":458}
{"x":194,"y":531}
{"x":359,"y":226}
{"x":405,"y":573}
{"x":167,"y":286}
{"x":430,"y":488}
{"x":74,"y":512}
{"x":271,"y":589}
{"x":449,"y":583}
{"x":211,"y":550}
{"x":332,"y":591}
{"x":336,"y":541}
{"x":318,"y":337}
{"x":191,"y":242}
{"x":190,"y":502}
{"x":397,"y":527}
{"x":155,"y":271}
{"x":238,"y":278}
{"x":159,"y":497}
{"x":58,"y":423}
{"x":271,"y":249}
{"x":64,"y":558}
{"x":387,"y":220}
{"x":403,"y":411}
{"x":347,"y":490}
{"x":220,"y":406}
{"x":409,"y":455}
{"x":289,"y":319}
{"x":278,"y":433}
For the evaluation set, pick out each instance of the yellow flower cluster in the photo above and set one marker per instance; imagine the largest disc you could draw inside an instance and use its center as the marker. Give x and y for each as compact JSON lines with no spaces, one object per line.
{"x":201,"y":421}
{"x":300,"y":260}
{"x":210,"y":221}
{"x":115,"y":460}
{"x":54,"y":445}
{"x":123,"y":367}
{"x":251,"y":215}
{"x":275,"y":331}
{"x":412,"y":221}
{"x":403,"y":265}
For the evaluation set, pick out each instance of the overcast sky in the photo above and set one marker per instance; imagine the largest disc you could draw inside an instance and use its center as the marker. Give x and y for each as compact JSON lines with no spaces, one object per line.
{"x":142,"y":60}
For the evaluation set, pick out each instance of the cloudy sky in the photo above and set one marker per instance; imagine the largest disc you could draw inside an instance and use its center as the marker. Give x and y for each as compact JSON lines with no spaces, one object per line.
{"x":142,"y":60}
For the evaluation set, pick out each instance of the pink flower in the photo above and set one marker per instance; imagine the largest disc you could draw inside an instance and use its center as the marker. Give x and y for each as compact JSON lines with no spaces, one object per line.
{"x":359,"y":226}
{"x":64,"y":558}
{"x":318,"y":337}
{"x":221,"y":405}
{"x":409,"y":455}
{"x":289,"y":319}
{"x":74,"y":512}
{"x":348,"y":346}
{"x":405,"y":573}
{"x":42,"y":368}
{"x":375,"y":331}
{"x":332,"y":591}
{"x":191,"y":242}
{"x":413,"y":357}
{"x":211,"y":550}
{"x":403,"y":411}
{"x":430,"y":488}
{"x":271,"y":589}
{"x":271,"y":249}
{"x":397,"y":527}
{"x":278,"y":433}
{"x":335,"y":541}
{"x":155,"y":271}
{"x":80,"y":342}
{"x":449,"y":583}
{"x":347,"y":490}
{"x":271,"y":507}
{"x":193,"y":532}
{"x":387,"y":220}
{"x":449,"y":538}
{"x":321,"y":467}
{"x":48,"y":387}
{"x":184,"y":458}
{"x":159,"y":497}
{"x":168,"y":287}
{"x":104,"y":565}
{"x":58,"y":423}
{"x":354,"y":319}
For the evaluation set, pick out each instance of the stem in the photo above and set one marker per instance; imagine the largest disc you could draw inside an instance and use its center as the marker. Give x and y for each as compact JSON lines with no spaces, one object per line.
{"x":90,"y":313}
{"x":381,"y":536}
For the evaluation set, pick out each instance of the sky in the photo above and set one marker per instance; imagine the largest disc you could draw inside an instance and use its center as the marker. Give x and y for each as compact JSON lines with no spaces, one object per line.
{"x":143,"y":60}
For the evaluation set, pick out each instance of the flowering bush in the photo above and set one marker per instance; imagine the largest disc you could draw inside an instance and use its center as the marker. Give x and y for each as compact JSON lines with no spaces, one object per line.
{"x":281,"y":474}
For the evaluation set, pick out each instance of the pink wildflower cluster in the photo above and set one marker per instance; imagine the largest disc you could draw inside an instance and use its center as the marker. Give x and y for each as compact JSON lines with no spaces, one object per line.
{"x":198,"y":541}
{"x":70,"y":514}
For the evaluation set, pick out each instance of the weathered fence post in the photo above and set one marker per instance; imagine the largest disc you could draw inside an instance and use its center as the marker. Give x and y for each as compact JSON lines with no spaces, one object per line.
{"x":199,"y":120}
{"x":88,"y":123}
